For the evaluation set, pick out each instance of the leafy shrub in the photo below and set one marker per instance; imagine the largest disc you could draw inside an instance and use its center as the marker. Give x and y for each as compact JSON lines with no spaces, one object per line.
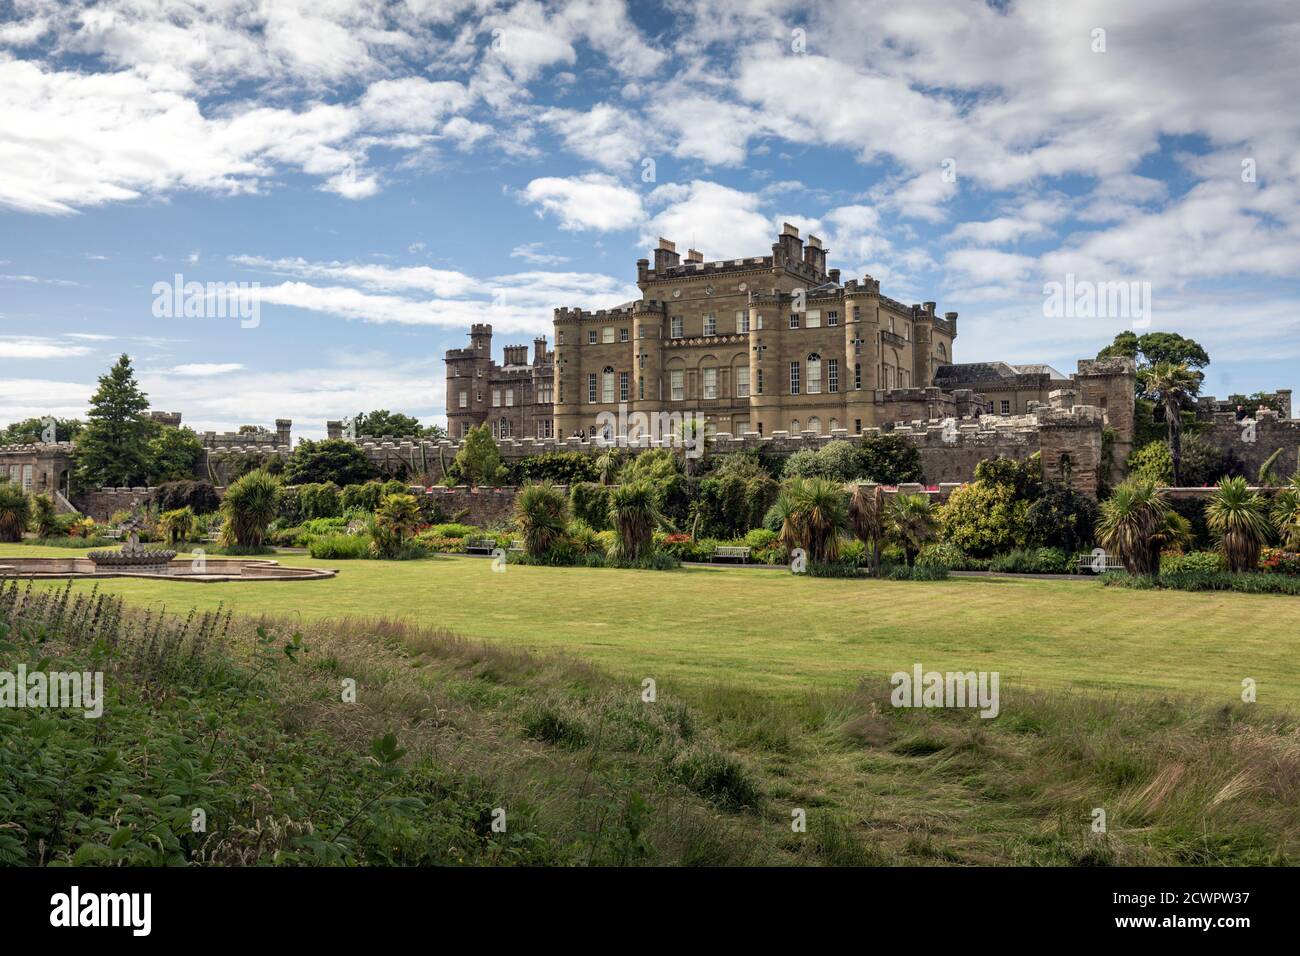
{"x":396,"y":520}
{"x":760,"y":538}
{"x":1277,"y":561}
{"x":1250,"y":582}
{"x":561,"y":468}
{"x":454,"y":530}
{"x":942,"y":554}
{"x":1034,"y":561}
{"x":199,"y":496}
{"x":834,"y":569}
{"x":319,"y":500}
{"x":45,"y":519}
{"x":734,"y":497}
{"x":1197,"y":562}
{"x":901,"y":572}
{"x":983,"y":519}
{"x":15,"y":511}
{"x":340,"y":547}
{"x":889,"y":459}
{"x":250,"y":505}
{"x":364,"y":497}
{"x":589,"y":503}
{"x":1061,"y":518}
{"x":176,"y":526}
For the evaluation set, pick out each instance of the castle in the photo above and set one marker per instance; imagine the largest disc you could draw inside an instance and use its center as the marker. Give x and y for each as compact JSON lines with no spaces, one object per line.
{"x":767,"y":344}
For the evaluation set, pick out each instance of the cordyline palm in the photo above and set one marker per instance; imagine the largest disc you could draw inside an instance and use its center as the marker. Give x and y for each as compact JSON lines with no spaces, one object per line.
{"x":250,"y":505}
{"x":608,"y":465}
{"x":910,"y":521}
{"x":1174,"y":385}
{"x":176,"y":525}
{"x":45,"y":517}
{"x":1286,"y":514}
{"x":814,"y":516}
{"x":542,"y":514}
{"x":867,"y":518}
{"x":15,"y":510}
{"x":1238,"y":516}
{"x":1133,"y":520}
{"x":634,"y":516}
{"x":396,"y":519}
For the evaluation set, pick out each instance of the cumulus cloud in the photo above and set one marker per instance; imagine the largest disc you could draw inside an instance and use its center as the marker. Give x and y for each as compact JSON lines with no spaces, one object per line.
{"x":594,"y":201}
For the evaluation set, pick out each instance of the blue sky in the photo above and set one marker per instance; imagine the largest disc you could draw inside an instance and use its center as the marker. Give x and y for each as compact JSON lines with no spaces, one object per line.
{"x":390,"y":172}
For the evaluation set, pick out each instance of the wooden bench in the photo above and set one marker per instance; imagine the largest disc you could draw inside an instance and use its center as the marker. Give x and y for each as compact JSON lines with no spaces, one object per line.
{"x":721,"y":553}
{"x":516,"y":545}
{"x":112,"y":533}
{"x":480,"y":545}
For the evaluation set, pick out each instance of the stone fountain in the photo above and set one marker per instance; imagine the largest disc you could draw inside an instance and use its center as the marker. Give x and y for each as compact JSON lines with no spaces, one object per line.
{"x":132,"y":555}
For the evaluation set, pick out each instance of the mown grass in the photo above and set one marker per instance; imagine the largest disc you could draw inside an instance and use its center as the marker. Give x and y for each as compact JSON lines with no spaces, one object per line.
{"x":591,"y":772}
{"x":772,"y":633}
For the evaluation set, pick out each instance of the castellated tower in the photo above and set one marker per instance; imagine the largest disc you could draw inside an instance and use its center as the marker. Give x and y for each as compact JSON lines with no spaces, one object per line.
{"x":468,"y":371}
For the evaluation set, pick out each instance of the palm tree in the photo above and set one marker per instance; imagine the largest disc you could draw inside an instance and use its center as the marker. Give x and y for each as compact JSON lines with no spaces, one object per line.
{"x":1286,"y":514}
{"x":608,"y":464}
{"x":825,"y":518}
{"x":790,"y":515}
{"x":542,"y":514}
{"x":177,"y":525}
{"x":634,"y":516}
{"x":1173,"y":385}
{"x":1238,"y":516}
{"x":396,"y":518}
{"x":910,"y":521}
{"x":1131,"y":522}
{"x":45,"y":517}
{"x":15,"y":511}
{"x":249,"y":507}
{"x":867,"y":517}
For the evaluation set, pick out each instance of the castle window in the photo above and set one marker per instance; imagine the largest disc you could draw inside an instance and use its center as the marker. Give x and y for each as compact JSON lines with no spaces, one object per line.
{"x":857,"y":375}
{"x":742,"y":382}
{"x":505,"y":428}
{"x":480,"y":373}
{"x":591,"y":431}
{"x":814,"y":374}
{"x":510,"y":397}
{"x":559,"y":338}
{"x":607,"y":385}
{"x":591,"y":387}
{"x":1006,"y":407}
{"x":832,"y":375}
{"x":813,"y":319}
{"x":464,"y":399}
{"x":478,"y":396}
{"x":795,"y":427}
{"x":544,"y":428}
{"x":857,"y":426}
{"x":710,"y":324}
{"x":496,"y":398}
{"x":943,"y":352}
{"x":676,"y":385}
{"x":815,"y":424}
{"x":464,"y":429}
{"x":758,"y":390}
{"x":624,"y":386}
{"x":834,"y":424}
{"x":640,"y":387}
{"x":675,"y":331}
{"x":742,"y":322}
{"x":710,"y":383}
{"x":640,"y":332}
{"x":607,"y":334}
{"x":794,"y":378}
{"x":794,"y":320}
{"x":832,"y":318}
{"x":624,"y":335}
{"x":591,"y":336}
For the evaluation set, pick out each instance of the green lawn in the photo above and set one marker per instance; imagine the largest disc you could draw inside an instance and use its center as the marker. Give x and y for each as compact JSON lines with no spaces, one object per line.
{"x":768,"y":630}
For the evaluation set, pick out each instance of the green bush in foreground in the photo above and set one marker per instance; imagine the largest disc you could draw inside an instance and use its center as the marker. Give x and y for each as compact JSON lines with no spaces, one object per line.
{"x":1251,"y":582}
{"x":340,"y":547}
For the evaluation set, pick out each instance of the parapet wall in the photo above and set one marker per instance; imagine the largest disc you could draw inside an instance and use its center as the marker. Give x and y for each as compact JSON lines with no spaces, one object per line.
{"x":1254,"y":440}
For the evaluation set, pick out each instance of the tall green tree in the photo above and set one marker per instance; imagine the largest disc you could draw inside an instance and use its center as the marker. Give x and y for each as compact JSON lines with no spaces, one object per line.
{"x":113,"y":449}
{"x":1174,"y":386}
{"x":332,"y":459}
{"x":32,"y":430}
{"x":479,"y":461}
{"x":173,"y":454}
{"x":381,"y":423}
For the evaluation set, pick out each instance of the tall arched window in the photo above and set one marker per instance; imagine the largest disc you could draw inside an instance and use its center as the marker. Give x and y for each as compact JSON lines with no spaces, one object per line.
{"x":815,"y":424}
{"x":834,"y":424}
{"x":814,"y":373}
{"x":794,"y":426}
{"x":607,"y":392}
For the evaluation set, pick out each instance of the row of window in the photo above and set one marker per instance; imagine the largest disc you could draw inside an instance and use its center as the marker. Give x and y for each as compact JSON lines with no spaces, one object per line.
{"x":21,"y":475}
{"x":505,"y":397}
{"x":501,"y":428}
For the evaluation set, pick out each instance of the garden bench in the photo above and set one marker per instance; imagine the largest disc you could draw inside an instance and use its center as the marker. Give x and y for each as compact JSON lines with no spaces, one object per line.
{"x":1091,"y":563}
{"x":480,"y":545}
{"x":112,"y":532}
{"x":516,"y":545}
{"x":722,"y":553}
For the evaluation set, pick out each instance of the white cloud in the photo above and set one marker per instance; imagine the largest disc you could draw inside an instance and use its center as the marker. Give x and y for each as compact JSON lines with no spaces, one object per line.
{"x":206,"y":369}
{"x":37,"y":347}
{"x":721,"y":222}
{"x":594,"y":201}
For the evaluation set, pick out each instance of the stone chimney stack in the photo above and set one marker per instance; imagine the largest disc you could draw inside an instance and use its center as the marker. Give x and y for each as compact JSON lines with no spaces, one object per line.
{"x":788,"y":246}
{"x":334,"y":430}
{"x":539,"y":350}
{"x":815,"y":255}
{"x":666,"y":255}
{"x":283,"y":426}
